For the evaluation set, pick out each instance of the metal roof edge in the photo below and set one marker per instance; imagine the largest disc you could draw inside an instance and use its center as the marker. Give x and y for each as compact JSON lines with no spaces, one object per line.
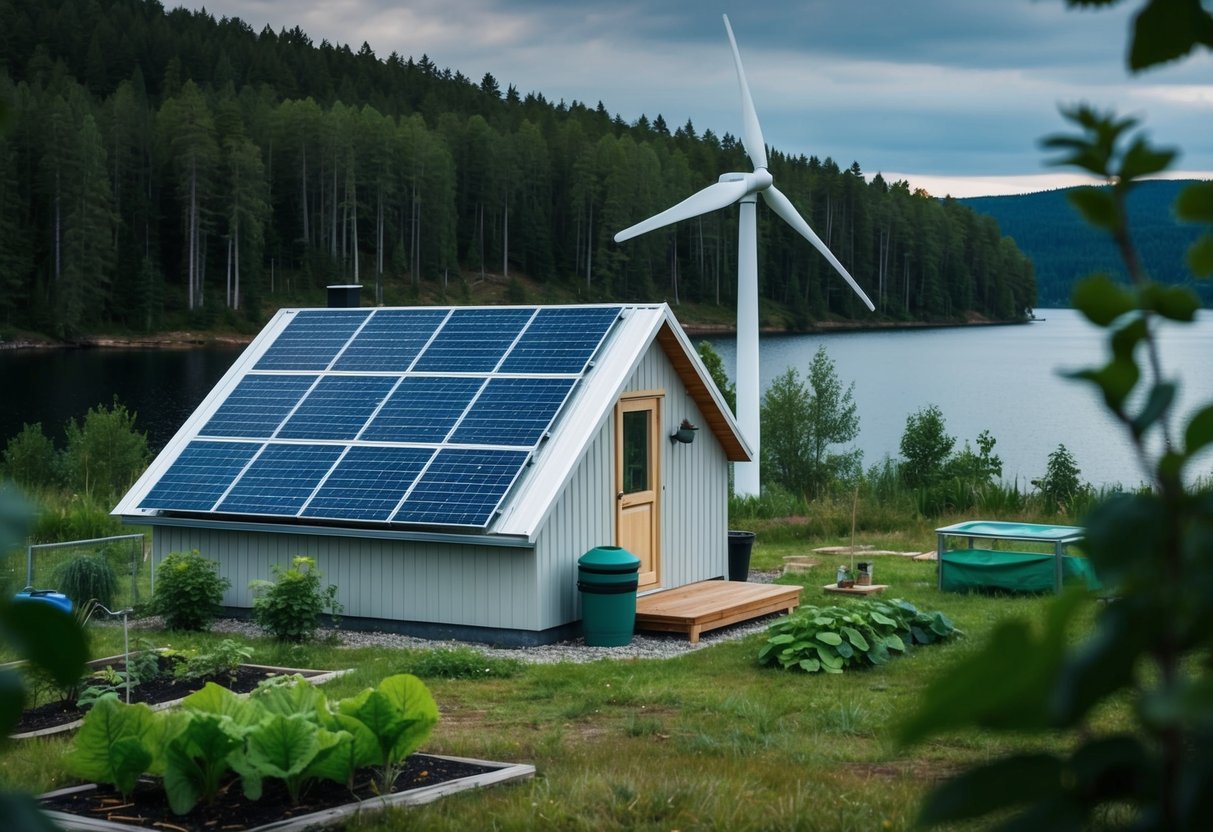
{"x":504,"y":541}
{"x":702,"y":389}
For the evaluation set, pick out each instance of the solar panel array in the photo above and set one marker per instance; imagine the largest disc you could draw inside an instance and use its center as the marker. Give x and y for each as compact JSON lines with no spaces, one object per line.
{"x":414,"y":416}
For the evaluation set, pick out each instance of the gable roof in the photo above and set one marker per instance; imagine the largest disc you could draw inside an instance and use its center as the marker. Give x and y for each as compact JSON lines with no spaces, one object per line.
{"x":417,"y":421}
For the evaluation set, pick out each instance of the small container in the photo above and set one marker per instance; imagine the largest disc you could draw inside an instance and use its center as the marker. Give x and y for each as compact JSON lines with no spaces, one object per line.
{"x":864,"y":578}
{"x":842,"y":576}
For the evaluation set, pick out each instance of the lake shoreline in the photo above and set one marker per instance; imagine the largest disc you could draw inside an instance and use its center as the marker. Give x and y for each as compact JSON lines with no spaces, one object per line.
{"x":190,"y":340}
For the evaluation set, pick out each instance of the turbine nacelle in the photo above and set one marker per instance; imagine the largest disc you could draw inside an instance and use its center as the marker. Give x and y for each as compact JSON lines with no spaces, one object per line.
{"x":757,"y":181}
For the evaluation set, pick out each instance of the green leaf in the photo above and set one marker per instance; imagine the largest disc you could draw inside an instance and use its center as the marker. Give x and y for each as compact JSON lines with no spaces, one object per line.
{"x":1199,"y":432}
{"x":196,"y":760}
{"x":1167,"y":29}
{"x":883,"y":619}
{"x":893,"y":642}
{"x":1097,"y":206}
{"x":1096,"y":669}
{"x":1101,"y":299}
{"x":112,"y":746}
{"x":283,"y":746}
{"x":1022,"y":660}
{"x":21,"y":811}
{"x":1195,"y":203}
{"x":810,"y":665}
{"x":1175,"y":303}
{"x":856,"y":638}
{"x":829,"y":660}
{"x":46,"y":637}
{"x":999,"y":785}
{"x":1200,"y":256}
{"x":1141,"y":160}
{"x":785,"y":638}
{"x":12,"y":700}
{"x":832,"y":639}
{"x":1124,"y":535}
{"x":218,"y":700}
{"x":1156,"y":407}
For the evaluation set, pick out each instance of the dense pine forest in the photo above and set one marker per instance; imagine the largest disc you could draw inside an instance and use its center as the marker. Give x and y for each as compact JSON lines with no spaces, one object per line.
{"x":1065,"y":249}
{"x":162,"y":168}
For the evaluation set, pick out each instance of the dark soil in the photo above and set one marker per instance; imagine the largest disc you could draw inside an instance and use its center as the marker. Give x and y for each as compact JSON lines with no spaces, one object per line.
{"x":166,"y":688}
{"x":148,"y":807}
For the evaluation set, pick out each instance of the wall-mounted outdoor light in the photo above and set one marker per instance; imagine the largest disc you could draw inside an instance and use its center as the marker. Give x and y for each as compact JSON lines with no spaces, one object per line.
{"x":685,"y":433}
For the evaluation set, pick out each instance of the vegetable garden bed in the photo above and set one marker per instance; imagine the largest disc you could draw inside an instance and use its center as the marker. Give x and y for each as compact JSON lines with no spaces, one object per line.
{"x":164,"y":692}
{"x":425,"y":778}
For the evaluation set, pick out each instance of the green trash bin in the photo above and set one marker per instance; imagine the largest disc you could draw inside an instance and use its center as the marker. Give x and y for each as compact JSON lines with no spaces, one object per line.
{"x":607,"y":580}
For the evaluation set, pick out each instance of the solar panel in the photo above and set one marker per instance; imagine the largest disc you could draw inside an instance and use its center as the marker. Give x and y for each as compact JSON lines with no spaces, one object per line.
{"x":462,"y":487}
{"x":513,"y":411}
{"x":390,"y":340}
{"x":280,"y":480}
{"x":312,"y":339}
{"x":560,"y":340}
{"x":257,"y":406}
{"x":388,"y":416}
{"x":422,"y":409}
{"x":337,"y":407}
{"x":367,"y":483}
{"x":200,"y":475}
{"x":473,"y":340}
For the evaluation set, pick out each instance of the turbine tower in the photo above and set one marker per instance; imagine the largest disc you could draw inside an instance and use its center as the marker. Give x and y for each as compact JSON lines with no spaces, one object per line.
{"x":743,"y":188}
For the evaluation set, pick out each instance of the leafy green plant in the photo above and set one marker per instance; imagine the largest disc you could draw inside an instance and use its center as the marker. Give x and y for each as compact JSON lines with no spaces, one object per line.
{"x":1062,"y":482}
{"x":114,"y":745}
{"x":1151,"y":647}
{"x":860,"y":634}
{"x":286,"y":731}
{"x":87,"y":577}
{"x":398,"y":715}
{"x":290,"y":605}
{"x":223,"y":659}
{"x":188,"y":590}
{"x":461,"y":663}
{"x":105,"y":453}
{"x":29,"y":457}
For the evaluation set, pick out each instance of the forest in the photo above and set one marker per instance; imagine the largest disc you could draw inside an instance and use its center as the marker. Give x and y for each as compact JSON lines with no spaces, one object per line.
{"x":164,"y":168}
{"x":1064,"y":249}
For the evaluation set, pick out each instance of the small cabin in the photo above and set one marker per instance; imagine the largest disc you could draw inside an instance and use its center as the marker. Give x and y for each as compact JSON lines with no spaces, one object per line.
{"x":447,"y":467}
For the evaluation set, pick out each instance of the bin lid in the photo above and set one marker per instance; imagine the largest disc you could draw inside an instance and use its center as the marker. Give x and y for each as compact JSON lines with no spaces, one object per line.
{"x":609,"y":559}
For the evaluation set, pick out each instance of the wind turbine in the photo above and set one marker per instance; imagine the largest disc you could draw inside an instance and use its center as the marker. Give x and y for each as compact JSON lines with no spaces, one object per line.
{"x":743,"y":188}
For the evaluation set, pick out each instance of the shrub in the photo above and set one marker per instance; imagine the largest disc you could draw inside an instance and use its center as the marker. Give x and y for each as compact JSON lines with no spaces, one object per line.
{"x":29,"y":457}
{"x":1062,"y":483}
{"x":223,"y":659}
{"x":105,"y":454}
{"x":87,"y":577}
{"x":188,"y":591}
{"x":289,"y":606}
{"x":830,"y":639}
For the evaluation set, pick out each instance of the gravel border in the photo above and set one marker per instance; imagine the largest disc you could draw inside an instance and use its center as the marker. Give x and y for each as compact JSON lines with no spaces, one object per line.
{"x":643,"y":645}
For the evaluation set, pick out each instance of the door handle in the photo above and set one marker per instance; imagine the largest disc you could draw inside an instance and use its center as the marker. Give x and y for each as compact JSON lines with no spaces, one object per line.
{"x":619,"y":496}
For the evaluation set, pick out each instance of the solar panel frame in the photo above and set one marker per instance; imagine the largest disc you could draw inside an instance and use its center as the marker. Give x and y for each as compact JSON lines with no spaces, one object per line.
{"x":462,"y":487}
{"x":560,"y":340}
{"x":312,"y":339}
{"x":337,"y":407}
{"x":280,"y":479}
{"x":367,"y":483}
{"x":257,"y":406}
{"x":200,"y":475}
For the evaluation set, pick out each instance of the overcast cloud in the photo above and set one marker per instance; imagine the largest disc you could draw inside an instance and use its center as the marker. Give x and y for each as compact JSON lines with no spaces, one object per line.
{"x":953,"y":95}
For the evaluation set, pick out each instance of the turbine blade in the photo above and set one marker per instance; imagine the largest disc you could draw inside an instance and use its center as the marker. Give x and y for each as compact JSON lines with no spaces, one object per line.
{"x":751,"y":131}
{"x":783,"y":206}
{"x":714,"y":196}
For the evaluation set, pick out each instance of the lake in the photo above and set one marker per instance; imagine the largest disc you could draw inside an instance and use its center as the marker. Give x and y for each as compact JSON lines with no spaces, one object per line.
{"x":1004,"y":379}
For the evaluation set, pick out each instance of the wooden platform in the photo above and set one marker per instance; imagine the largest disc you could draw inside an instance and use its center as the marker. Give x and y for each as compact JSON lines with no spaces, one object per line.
{"x":696,"y":608}
{"x":864,"y":589}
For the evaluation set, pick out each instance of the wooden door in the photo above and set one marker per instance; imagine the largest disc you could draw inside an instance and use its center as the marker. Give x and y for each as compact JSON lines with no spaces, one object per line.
{"x":638,"y":482}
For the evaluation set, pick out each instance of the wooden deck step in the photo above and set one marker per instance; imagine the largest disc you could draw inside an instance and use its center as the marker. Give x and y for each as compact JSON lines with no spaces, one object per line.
{"x":696,"y":608}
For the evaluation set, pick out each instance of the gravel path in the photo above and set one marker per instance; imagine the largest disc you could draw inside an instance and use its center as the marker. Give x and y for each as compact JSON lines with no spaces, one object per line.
{"x":643,"y":646}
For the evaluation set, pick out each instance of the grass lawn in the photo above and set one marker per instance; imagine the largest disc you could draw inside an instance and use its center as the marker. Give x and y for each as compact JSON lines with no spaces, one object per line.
{"x":709,"y":740}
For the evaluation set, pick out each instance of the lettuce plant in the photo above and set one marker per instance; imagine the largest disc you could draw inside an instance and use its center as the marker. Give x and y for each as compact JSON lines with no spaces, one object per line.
{"x":286,"y":731}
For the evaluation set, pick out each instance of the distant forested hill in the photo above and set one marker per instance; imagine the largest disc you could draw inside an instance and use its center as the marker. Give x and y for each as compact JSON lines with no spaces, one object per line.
{"x":164,"y":168}
{"x":1064,"y":249}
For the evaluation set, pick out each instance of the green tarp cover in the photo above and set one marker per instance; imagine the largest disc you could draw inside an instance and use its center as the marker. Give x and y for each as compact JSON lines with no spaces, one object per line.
{"x":968,"y":569}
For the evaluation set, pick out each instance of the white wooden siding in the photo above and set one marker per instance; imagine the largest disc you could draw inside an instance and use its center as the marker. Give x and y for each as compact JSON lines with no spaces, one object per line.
{"x":475,"y":586}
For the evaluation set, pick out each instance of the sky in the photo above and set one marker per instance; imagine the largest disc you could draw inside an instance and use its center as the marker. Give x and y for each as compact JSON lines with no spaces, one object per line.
{"x":950,"y":95}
